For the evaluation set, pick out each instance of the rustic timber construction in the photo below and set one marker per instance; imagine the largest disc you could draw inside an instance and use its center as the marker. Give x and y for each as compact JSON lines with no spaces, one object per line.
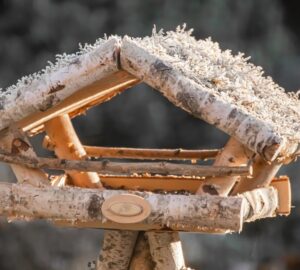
{"x":142,"y":205}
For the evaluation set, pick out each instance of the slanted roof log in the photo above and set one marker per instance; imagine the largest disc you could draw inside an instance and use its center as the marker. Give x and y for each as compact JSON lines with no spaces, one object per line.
{"x":222,"y":89}
{"x":41,"y":91}
{"x":82,"y":207}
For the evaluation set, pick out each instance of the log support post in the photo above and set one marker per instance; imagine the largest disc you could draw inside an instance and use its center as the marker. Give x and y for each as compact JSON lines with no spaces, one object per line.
{"x":117,"y":245}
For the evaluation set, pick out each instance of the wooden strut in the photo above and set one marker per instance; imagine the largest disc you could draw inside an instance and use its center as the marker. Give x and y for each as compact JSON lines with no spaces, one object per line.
{"x":233,"y":154}
{"x":82,"y":207}
{"x":66,"y":144}
{"x":123,"y":168}
{"x":156,"y":154}
{"x":263,"y":174}
{"x":141,"y":153}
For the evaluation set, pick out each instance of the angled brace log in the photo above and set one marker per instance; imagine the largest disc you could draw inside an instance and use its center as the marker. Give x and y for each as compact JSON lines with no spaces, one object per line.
{"x":67,"y":145}
{"x":233,"y":154}
{"x":14,"y":141}
{"x":263,"y":173}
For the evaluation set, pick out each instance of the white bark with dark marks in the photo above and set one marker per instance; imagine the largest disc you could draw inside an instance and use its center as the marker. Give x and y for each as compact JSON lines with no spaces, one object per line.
{"x":42,"y":91}
{"x":198,"y":100}
{"x":82,"y":207}
{"x":166,"y":250}
{"x":117,"y":249}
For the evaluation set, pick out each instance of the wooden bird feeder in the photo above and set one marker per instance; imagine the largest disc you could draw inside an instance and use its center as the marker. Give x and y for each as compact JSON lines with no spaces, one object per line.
{"x":154,"y":194}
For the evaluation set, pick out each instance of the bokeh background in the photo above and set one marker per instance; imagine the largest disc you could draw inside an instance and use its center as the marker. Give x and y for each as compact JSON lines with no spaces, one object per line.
{"x":33,"y":31}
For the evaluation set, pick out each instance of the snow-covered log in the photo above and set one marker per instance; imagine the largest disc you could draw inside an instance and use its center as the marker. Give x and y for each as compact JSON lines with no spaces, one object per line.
{"x":222,"y":89}
{"x":82,"y":207}
{"x":43,"y":90}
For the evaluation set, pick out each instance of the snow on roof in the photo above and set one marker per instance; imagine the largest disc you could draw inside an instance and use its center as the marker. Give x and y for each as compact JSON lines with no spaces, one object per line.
{"x":44,"y":89}
{"x":214,"y":85}
{"x":223,"y":89}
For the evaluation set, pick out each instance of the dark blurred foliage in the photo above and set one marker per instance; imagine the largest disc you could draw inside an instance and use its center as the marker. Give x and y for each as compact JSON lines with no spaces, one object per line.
{"x":33,"y":31}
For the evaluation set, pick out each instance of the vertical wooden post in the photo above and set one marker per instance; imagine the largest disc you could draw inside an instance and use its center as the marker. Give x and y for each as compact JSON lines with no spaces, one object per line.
{"x":67,"y":145}
{"x":166,"y":250}
{"x":117,"y":249}
{"x":141,"y":259}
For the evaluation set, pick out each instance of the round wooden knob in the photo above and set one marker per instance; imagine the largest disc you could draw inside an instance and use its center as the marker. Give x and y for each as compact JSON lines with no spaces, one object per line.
{"x":126,"y":208}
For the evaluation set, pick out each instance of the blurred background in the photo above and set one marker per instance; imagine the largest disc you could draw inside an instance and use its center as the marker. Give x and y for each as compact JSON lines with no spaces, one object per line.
{"x":33,"y":31}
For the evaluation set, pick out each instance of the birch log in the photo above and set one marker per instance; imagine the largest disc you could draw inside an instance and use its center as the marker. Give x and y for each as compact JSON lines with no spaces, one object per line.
{"x":263,"y":174}
{"x":41,"y":91}
{"x":117,"y":249}
{"x":233,"y":154}
{"x":67,"y":145}
{"x":166,"y":250}
{"x":14,"y":141}
{"x":171,"y":77}
{"x":82,"y":207}
{"x":122,"y":168}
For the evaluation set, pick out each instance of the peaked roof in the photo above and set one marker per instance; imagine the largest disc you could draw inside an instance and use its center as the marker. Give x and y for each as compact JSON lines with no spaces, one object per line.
{"x":222,"y":89}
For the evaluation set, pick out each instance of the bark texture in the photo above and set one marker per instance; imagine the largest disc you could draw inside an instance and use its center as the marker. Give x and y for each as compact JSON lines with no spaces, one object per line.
{"x":263,"y":174}
{"x":117,"y":249}
{"x":82,"y":207}
{"x":41,"y":91}
{"x":233,"y":154}
{"x":142,"y":259}
{"x":122,"y":168}
{"x":173,"y":76}
{"x":166,"y":250}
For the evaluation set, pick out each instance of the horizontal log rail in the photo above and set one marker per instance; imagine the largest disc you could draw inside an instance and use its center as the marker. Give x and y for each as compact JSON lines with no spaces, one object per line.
{"x":140,"y":153}
{"x":82,"y":207}
{"x":122,"y":168}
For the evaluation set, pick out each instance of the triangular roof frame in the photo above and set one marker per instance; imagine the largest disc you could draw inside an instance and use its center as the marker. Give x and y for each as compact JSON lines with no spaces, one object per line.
{"x":100,"y":71}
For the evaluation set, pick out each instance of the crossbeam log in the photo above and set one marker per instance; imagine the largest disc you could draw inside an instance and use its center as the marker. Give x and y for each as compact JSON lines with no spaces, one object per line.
{"x":122,"y":168}
{"x":82,"y":207}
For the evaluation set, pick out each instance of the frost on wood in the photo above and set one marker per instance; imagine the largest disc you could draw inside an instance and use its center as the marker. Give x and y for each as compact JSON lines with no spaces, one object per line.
{"x":41,"y":91}
{"x":82,"y":207}
{"x":214,"y":85}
